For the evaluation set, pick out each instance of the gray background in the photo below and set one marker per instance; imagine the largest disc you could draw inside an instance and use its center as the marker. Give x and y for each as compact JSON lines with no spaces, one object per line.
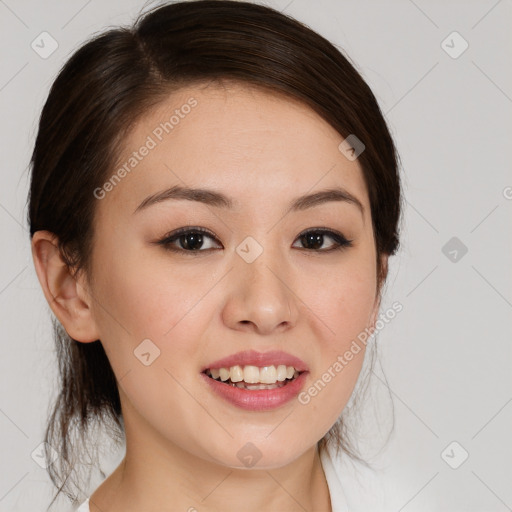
{"x":447,"y":355}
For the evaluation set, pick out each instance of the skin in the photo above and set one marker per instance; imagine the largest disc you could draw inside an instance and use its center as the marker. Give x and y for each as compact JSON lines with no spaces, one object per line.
{"x":262,"y":150}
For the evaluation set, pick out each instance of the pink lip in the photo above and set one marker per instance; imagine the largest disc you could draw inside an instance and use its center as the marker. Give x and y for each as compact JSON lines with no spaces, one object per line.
{"x":257,"y":400}
{"x":260,"y":399}
{"x":253,"y":358}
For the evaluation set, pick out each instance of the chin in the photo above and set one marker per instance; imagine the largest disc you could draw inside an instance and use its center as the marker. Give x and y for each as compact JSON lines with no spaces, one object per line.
{"x":261,"y":452}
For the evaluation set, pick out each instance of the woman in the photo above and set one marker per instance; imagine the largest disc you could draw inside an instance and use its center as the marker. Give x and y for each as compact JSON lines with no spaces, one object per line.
{"x":213,"y":202}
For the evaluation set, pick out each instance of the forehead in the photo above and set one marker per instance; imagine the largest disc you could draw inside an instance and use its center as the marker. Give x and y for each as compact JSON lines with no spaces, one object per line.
{"x":256,"y":146}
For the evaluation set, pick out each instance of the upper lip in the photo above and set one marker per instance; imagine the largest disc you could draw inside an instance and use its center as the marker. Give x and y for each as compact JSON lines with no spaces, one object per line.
{"x":260,"y":359}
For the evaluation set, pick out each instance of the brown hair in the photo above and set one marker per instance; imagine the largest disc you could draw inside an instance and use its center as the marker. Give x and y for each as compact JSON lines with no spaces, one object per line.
{"x":101,"y":92}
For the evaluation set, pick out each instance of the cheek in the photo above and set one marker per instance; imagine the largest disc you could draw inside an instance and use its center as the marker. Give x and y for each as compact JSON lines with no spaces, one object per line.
{"x":142,"y":301}
{"x":342,"y":298}
{"x":151,"y":328}
{"x":343,"y":301}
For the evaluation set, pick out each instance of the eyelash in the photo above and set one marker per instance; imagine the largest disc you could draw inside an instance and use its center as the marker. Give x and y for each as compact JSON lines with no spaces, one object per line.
{"x":340,"y":241}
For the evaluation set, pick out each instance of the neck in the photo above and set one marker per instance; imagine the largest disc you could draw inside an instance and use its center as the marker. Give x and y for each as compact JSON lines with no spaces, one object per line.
{"x":158,"y":475}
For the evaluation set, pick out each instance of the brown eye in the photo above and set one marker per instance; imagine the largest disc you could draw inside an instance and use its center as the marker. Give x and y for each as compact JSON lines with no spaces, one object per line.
{"x":193,"y":240}
{"x":188,"y":240}
{"x":315,"y":239}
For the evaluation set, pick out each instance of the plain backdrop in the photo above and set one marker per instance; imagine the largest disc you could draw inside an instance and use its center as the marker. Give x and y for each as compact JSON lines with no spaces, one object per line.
{"x":447,"y":355}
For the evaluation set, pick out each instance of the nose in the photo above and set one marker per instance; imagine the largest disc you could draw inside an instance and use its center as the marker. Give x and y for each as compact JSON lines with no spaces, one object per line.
{"x":260,"y":297}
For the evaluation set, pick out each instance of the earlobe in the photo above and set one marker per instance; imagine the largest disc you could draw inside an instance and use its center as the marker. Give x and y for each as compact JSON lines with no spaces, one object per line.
{"x":64,"y":293}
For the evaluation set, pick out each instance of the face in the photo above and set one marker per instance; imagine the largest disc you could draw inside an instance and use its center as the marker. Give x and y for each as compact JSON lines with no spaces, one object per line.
{"x":258,"y":278}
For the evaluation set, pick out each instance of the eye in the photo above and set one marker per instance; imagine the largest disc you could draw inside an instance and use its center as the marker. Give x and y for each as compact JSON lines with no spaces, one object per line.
{"x":315,"y":238}
{"x":189,"y":239}
{"x":195,"y":239}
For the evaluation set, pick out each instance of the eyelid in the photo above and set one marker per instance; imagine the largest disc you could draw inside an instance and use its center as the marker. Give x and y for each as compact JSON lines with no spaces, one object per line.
{"x":175,"y":234}
{"x":187,"y":229}
{"x":341,"y":242}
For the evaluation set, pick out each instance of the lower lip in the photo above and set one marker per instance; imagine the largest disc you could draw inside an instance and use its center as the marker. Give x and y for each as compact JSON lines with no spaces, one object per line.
{"x":258,"y":399}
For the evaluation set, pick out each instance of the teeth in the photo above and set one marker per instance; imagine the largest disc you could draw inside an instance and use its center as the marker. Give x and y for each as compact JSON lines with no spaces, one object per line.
{"x":281,"y":372}
{"x":253,"y":387}
{"x":236,"y":373}
{"x":251,"y":374}
{"x":268,"y":375}
{"x":256,"y":378}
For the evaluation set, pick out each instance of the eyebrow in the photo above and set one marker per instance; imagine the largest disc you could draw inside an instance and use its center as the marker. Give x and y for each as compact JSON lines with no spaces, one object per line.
{"x":214,"y":198}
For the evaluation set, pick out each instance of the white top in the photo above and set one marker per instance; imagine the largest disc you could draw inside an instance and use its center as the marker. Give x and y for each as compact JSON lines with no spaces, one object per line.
{"x":352,"y":486}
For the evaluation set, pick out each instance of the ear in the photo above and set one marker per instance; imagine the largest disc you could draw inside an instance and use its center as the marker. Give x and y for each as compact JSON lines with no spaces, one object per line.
{"x":381,"y":278}
{"x":67,"y":295}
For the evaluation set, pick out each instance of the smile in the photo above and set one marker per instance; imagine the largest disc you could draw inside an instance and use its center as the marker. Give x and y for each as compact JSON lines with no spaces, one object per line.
{"x":256,"y":381}
{"x":254,"y":378}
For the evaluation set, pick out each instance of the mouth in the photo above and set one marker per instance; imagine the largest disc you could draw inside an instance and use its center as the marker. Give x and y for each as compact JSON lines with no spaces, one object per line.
{"x":256,"y":381}
{"x":254,"y":378}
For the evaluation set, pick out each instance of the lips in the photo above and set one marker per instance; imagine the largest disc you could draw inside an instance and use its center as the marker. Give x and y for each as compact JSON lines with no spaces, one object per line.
{"x":256,"y":381}
{"x":260,"y":359}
